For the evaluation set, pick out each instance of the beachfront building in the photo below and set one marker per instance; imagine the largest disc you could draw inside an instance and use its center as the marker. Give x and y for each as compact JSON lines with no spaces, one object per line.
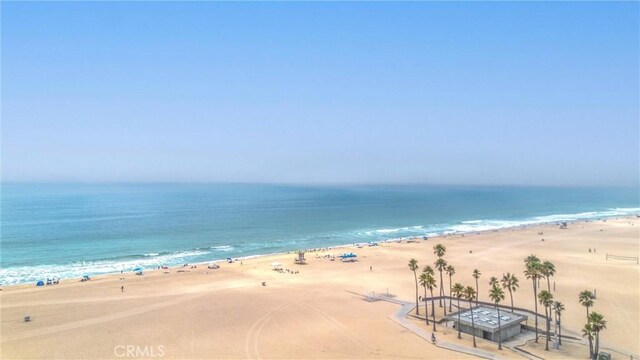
{"x":486,"y":323}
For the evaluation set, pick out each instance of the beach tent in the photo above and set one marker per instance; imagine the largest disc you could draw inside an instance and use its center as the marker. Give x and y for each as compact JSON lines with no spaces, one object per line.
{"x":40,"y":283}
{"x":138,"y":270}
{"x":276,"y":265}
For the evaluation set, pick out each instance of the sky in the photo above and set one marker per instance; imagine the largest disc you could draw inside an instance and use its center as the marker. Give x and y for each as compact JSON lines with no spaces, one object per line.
{"x":488,"y":93}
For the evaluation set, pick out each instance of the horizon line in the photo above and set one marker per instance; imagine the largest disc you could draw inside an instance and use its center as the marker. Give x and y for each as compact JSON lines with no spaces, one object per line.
{"x":305,"y":184}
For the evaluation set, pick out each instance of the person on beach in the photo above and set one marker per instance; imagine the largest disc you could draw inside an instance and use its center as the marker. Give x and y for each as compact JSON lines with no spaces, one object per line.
{"x":370,"y":268}
{"x":121,"y":288}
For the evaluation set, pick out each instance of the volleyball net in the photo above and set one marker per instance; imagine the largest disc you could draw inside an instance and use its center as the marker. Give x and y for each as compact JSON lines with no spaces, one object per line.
{"x":620,"y":257}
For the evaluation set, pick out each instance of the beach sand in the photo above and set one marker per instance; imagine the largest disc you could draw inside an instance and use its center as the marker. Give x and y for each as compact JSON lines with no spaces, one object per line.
{"x":320,"y":312}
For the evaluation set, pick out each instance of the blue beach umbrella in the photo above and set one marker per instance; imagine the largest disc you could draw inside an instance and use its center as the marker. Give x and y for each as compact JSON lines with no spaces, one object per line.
{"x":349,"y":255}
{"x":138,"y":269}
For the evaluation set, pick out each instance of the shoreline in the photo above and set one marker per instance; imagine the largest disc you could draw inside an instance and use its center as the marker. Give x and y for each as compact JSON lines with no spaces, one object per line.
{"x":328,"y":248}
{"x":317,"y":310}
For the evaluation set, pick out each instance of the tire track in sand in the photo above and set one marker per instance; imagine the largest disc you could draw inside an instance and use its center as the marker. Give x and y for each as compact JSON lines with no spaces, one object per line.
{"x":336,"y":323}
{"x":251,"y":340}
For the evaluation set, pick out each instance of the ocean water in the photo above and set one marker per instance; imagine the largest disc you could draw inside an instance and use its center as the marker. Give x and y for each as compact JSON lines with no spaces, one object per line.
{"x":67,"y":230}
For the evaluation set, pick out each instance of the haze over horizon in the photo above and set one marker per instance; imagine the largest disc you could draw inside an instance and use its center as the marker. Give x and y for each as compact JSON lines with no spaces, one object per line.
{"x":322,"y":93}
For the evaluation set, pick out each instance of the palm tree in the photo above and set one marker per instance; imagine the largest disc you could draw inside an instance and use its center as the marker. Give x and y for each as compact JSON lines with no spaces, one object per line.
{"x":458,"y":292}
{"x":497,"y":294}
{"x":441,"y":265}
{"x":423,"y":283}
{"x":431,"y":284}
{"x":587,"y":331}
{"x":598,"y":323}
{"x":439,"y":250}
{"x":476,"y":275}
{"x":531,"y":258}
{"x":558,"y":307}
{"x":413,"y":265}
{"x":532,"y":271}
{"x":548,"y":270}
{"x":428,"y":270}
{"x":586,"y":299}
{"x":450,"y":271}
{"x":493,"y":282}
{"x":469,"y":295}
{"x":510,"y":282}
{"x":546,"y":300}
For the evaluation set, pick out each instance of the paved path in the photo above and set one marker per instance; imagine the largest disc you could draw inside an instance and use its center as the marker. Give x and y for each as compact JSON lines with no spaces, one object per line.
{"x":512,"y":344}
{"x":400,"y":317}
{"x":519,"y":340}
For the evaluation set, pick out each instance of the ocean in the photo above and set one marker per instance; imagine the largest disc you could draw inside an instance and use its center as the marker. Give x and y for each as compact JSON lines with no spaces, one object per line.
{"x":68,"y":230}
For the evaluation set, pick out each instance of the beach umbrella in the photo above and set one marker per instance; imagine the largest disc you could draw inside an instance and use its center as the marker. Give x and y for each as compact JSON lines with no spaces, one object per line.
{"x":138,"y":269}
{"x":40,"y":283}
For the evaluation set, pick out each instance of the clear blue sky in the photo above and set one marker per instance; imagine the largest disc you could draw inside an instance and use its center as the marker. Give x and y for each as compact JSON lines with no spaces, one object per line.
{"x":474,"y":93}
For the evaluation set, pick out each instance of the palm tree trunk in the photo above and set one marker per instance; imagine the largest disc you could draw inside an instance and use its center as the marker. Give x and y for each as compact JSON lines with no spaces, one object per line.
{"x":559,"y":329}
{"x":450,"y":293}
{"x":459,"y":311}
{"x":477,"y":293}
{"x":416,"y":278}
{"x":433,"y":313}
{"x":499,"y":335}
{"x":511,"y":296}
{"x":473,"y":325}
{"x":535,"y":302}
{"x":426,"y":312}
{"x":555,"y":320}
{"x":546,"y":342}
{"x":587,"y":314}
{"x":590,"y":348}
{"x":433,"y":308}
{"x":548,"y":285}
{"x":596,"y":348}
{"x":441,"y":289}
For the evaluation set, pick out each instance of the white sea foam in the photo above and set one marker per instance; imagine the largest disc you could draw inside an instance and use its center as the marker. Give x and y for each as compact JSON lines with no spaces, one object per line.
{"x":223,"y":248}
{"x":22,"y":274}
{"x":394,"y":230}
{"x":492,"y":224}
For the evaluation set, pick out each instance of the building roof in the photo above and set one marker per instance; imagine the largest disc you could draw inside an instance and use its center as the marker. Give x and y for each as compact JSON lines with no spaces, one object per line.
{"x":486,"y":318}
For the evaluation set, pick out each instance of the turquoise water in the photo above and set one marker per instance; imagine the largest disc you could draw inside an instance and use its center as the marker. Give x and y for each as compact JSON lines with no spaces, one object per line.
{"x":69,"y":230}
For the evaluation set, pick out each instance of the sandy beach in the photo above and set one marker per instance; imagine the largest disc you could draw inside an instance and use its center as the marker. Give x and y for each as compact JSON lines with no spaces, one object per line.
{"x":320,"y":312}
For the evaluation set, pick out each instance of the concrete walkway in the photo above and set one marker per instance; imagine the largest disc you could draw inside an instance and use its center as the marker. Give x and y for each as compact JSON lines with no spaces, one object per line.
{"x":400,"y":317}
{"x":512,"y":344}
{"x":521,"y":340}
